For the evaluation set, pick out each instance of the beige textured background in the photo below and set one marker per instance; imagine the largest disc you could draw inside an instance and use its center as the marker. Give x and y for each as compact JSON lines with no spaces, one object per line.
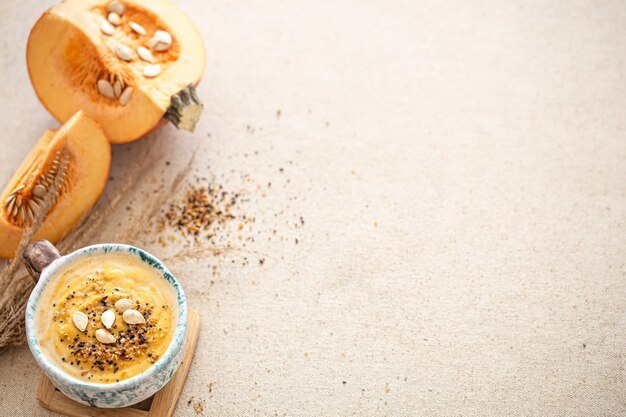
{"x":461,"y":167}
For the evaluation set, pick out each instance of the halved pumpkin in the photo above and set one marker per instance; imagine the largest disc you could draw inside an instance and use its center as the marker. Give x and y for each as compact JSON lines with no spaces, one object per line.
{"x":74,"y":159}
{"x":79,"y":60}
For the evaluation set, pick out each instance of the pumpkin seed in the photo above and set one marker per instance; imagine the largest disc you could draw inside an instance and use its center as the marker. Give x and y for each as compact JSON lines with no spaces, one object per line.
{"x":34,"y":205}
{"x":133,"y":317}
{"x":125,"y":97}
{"x":123,"y":52}
{"x":39,"y":191}
{"x":137,"y":28}
{"x":80,"y":320}
{"x":108,"y":318}
{"x":10,"y":204}
{"x":104,"y":337}
{"x":20,"y":214}
{"x":116,"y":7}
{"x":114,"y":18}
{"x":20,"y":188}
{"x":106,"y":28}
{"x":10,"y":198}
{"x":120,"y":79}
{"x":106,"y":89}
{"x":124,"y":304}
{"x":160,"y":47}
{"x":145,"y":54}
{"x":117,"y":88}
{"x":160,"y":41}
{"x":30,"y":213}
{"x":151,"y":71}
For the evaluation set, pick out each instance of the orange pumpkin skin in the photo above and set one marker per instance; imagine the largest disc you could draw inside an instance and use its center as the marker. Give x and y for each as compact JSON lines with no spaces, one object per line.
{"x":84,"y":178}
{"x":68,"y":54}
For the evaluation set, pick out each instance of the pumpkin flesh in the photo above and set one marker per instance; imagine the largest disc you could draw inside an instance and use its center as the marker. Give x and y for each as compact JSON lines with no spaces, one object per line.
{"x":67,"y":54}
{"x":88,"y":161}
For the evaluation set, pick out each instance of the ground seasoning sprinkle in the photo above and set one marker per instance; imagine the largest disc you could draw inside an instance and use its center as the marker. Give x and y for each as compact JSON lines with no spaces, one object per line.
{"x":225,"y":218}
{"x":203,"y":210}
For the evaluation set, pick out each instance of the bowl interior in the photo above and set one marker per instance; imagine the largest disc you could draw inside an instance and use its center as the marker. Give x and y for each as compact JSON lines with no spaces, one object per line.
{"x":48,"y":275}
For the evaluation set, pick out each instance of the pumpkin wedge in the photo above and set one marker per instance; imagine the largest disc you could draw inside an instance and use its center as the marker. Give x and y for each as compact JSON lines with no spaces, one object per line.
{"x":129,"y":64}
{"x":74,"y":160}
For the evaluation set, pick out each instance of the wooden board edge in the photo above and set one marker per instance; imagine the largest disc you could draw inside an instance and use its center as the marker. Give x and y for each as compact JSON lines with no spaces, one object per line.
{"x":45,"y":391}
{"x":164,"y":401}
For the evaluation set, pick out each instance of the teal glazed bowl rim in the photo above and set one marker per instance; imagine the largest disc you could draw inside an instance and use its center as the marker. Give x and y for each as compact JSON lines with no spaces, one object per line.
{"x":131,"y":383}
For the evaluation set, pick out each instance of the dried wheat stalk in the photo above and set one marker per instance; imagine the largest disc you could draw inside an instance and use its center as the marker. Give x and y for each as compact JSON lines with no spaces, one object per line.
{"x":15,"y":291}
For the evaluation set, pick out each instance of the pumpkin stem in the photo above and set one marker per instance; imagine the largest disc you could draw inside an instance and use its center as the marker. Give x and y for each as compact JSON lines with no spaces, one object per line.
{"x":185,"y":109}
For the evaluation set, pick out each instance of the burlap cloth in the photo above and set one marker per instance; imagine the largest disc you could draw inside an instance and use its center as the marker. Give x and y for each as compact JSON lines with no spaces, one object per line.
{"x":461,"y":170}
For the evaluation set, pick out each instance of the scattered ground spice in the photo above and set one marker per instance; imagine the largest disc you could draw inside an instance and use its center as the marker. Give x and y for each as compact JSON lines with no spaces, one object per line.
{"x":225,"y":214}
{"x":203,"y":212}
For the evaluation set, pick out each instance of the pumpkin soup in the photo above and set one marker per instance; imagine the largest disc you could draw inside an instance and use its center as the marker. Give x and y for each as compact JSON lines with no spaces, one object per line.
{"x":108,"y":317}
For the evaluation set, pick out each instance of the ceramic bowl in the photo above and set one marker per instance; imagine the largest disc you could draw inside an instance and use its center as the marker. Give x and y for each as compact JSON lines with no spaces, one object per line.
{"x":128,"y":391}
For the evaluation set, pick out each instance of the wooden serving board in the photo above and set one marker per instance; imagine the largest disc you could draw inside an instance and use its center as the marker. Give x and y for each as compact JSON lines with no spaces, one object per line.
{"x":160,"y":405}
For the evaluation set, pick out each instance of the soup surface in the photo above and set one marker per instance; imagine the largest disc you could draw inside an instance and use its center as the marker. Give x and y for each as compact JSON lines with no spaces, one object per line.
{"x":106,"y":317}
